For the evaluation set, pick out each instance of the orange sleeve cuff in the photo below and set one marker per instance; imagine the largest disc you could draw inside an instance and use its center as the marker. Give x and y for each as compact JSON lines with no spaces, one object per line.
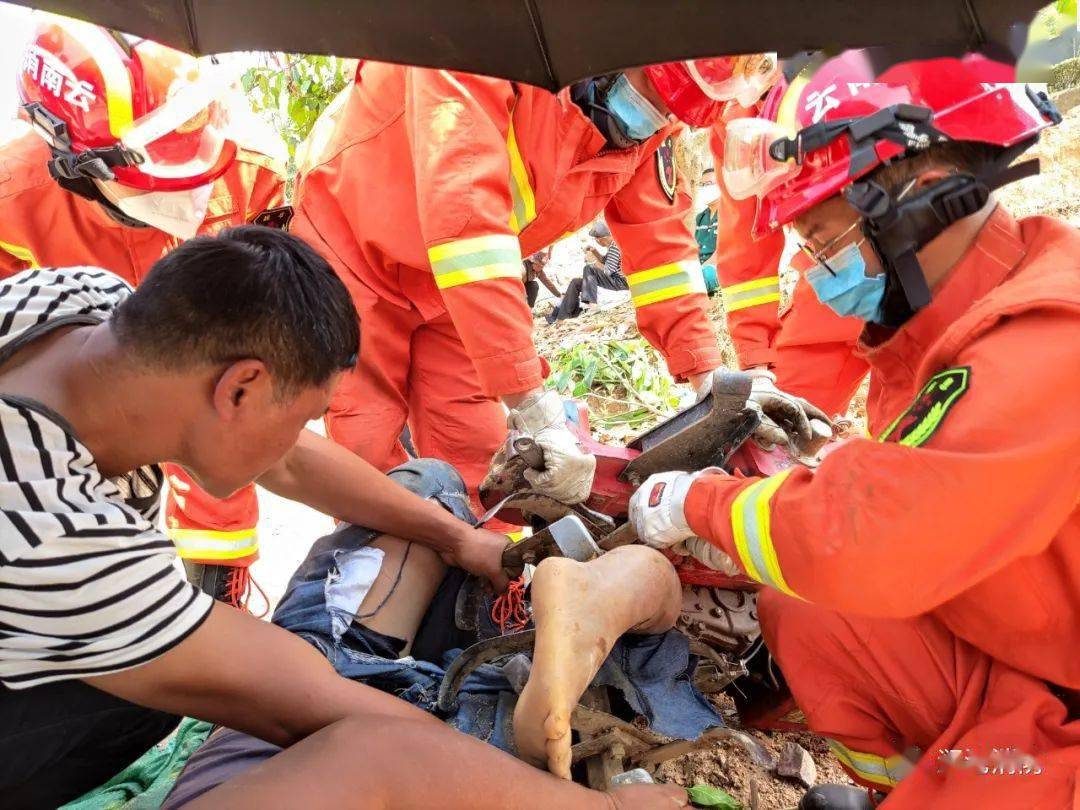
{"x":707,"y":508}
{"x":687,"y":361}
{"x":511,"y":372}
{"x":752,"y":356}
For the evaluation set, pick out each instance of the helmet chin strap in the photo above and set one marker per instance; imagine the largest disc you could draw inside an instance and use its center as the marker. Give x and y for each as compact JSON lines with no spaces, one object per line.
{"x":589,"y":95}
{"x":898,"y":229}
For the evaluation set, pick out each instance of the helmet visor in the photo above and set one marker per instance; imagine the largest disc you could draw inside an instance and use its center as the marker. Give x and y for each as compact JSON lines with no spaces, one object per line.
{"x":185,"y":136}
{"x":742,"y":78}
{"x":749,"y":170}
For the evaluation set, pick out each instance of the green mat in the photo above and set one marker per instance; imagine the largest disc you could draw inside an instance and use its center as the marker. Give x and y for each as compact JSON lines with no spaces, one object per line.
{"x":145,"y":783}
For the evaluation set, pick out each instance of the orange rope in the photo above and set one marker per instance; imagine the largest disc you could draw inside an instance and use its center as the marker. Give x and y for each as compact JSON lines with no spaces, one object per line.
{"x":509,"y":610}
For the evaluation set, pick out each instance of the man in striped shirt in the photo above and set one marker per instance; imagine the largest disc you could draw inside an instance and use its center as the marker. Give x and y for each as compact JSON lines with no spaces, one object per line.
{"x":228,"y":348}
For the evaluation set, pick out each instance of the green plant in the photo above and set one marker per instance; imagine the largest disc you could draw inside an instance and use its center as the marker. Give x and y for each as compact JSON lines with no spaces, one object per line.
{"x":622,"y":380}
{"x":291,"y":90}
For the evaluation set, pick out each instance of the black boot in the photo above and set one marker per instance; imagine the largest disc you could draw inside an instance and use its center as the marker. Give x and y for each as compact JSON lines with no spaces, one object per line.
{"x":836,"y":797}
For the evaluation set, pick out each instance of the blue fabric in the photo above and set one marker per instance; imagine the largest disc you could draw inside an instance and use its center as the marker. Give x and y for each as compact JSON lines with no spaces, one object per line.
{"x":652,"y":672}
{"x":845,"y":288}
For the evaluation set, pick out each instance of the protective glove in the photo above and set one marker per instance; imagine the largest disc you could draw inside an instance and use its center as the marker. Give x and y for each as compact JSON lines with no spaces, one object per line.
{"x":709,"y":555}
{"x":656,"y":509}
{"x":786,"y":419}
{"x":568,"y":472}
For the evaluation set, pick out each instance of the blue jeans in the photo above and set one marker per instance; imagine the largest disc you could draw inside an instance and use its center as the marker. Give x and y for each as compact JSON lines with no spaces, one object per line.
{"x":654,"y":673}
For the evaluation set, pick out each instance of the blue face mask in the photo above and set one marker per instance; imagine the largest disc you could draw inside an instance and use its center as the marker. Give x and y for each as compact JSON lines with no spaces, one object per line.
{"x":850,"y":291}
{"x":636,"y":115}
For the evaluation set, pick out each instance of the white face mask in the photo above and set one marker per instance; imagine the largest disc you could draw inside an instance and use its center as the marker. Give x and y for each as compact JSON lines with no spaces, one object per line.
{"x":177,"y":213}
{"x":706,"y":195}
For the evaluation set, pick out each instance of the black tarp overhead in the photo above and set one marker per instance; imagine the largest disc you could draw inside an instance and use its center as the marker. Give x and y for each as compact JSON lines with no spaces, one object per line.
{"x":552,"y":43}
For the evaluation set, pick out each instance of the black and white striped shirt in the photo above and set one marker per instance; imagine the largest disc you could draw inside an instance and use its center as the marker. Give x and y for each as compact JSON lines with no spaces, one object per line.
{"x":88,"y":585}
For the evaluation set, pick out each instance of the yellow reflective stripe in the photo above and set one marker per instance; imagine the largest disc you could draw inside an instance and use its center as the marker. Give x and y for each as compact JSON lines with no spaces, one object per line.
{"x":754,"y":284}
{"x":461,"y":247}
{"x":871,"y":767}
{"x":477,"y":259}
{"x":21,"y":253}
{"x":752,"y":530}
{"x":766,"y":298}
{"x":106,"y":53}
{"x":524,"y":201}
{"x":751,"y":293}
{"x":483,"y":273}
{"x":665,"y":282}
{"x":209,"y":544}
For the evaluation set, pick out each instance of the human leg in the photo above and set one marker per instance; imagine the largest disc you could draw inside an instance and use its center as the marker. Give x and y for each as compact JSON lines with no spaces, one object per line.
{"x":61,"y":739}
{"x":450,"y":417}
{"x":370,"y":406}
{"x":580,"y":610}
{"x":892,"y":694}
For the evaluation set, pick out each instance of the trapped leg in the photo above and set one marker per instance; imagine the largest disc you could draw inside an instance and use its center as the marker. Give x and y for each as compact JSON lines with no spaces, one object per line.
{"x":580,"y":610}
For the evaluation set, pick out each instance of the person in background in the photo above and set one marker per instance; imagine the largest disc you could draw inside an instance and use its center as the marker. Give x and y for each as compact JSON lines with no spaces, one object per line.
{"x":602,"y":270}
{"x":708,"y":197}
{"x":134,"y":148}
{"x":535,"y":269}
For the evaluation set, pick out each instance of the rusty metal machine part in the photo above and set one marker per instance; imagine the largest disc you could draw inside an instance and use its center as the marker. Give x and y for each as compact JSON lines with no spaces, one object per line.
{"x":720,"y":619}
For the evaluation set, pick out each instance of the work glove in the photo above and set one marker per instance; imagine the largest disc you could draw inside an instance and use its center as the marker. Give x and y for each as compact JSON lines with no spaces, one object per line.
{"x":656,"y":509}
{"x":785,"y":419}
{"x":708,"y":555}
{"x":568,"y":472}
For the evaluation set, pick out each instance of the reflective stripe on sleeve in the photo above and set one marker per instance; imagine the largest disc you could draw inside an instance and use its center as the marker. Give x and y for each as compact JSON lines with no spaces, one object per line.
{"x":885,"y":771}
{"x":21,"y":253}
{"x":477,"y":259}
{"x":665,"y":282}
{"x":207,"y":544}
{"x":751,"y":293}
{"x":521,"y":193}
{"x":750,"y":526}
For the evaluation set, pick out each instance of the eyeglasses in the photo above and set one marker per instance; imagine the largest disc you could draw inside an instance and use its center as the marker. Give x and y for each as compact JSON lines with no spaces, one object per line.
{"x":821,"y":255}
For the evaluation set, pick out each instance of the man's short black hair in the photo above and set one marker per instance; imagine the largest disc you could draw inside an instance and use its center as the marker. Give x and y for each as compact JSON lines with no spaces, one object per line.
{"x":249,"y":292}
{"x":963,"y":156}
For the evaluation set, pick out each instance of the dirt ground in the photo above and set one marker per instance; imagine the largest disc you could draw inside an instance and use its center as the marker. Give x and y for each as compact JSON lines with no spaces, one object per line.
{"x":287,"y":529}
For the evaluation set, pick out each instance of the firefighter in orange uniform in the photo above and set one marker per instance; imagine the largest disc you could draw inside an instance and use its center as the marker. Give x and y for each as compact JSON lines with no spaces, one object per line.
{"x":131,"y":153}
{"x":808,"y":347}
{"x":921,"y":587}
{"x":426,"y":187}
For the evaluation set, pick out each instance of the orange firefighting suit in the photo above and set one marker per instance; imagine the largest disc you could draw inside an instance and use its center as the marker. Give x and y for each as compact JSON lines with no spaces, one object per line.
{"x":42,"y":225}
{"x":809,"y":347}
{"x":925,"y":587}
{"x":425,"y":188}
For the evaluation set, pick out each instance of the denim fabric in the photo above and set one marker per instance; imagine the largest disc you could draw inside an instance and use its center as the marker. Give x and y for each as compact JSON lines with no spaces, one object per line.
{"x":652,"y":672}
{"x":317,"y":607}
{"x":655,"y":675}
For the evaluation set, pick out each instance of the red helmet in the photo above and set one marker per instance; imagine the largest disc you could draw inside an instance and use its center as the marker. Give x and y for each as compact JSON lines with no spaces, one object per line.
{"x":819,"y":134}
{"x":125,"y":109}
{"x":695,"y":90}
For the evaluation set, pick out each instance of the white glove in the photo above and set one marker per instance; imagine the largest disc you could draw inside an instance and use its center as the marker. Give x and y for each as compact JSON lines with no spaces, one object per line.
{"x":568,"y":472}
{"x":785,"y":419}
{"x":709,"y":555}
{"x":656,"y":509}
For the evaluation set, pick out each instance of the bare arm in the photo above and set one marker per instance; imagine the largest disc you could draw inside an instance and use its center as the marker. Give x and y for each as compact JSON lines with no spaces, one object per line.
{"x":329,"y":478}
{"x":252,"y":676}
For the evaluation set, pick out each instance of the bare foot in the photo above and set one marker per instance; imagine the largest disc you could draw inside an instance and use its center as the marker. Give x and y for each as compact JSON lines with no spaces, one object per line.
{"x":580,"y":609}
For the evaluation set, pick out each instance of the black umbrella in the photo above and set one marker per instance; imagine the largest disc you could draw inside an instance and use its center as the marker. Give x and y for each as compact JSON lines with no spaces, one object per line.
{"x":552,"y":43}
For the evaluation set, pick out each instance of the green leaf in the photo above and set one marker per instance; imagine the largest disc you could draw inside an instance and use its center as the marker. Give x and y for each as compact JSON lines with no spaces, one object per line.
{"x":708,"y":796}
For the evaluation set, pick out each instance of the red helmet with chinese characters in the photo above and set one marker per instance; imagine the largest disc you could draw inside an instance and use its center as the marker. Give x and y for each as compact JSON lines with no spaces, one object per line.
{"x":121,"y":108}
{"x":696,"y":90}
{"x":819,"y":134}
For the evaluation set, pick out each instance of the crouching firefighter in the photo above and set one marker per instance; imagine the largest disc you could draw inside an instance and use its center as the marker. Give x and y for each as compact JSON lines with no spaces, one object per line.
{"x":132,"y":152}
{"x":472,"y":173}
{"x":920,"y":587}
